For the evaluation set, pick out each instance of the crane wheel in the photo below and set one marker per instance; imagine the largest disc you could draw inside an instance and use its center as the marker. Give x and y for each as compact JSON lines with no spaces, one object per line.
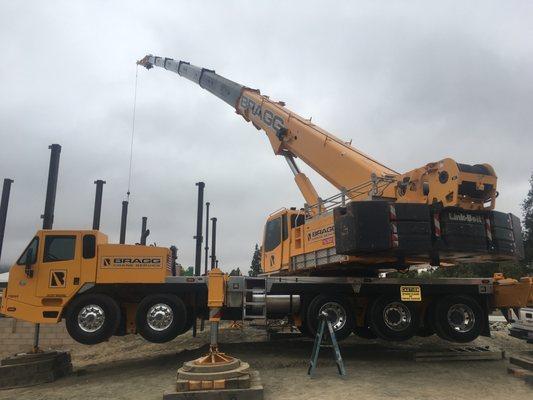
{"x":340,"y":311}
{"x":92,"y":318}
{"x":161,"y":317}
{"x":394,"y":320}
{"x":458,"y":318}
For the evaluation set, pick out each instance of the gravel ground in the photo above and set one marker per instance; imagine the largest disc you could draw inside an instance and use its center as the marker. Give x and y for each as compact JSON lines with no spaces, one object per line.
{"x":130,"y":368}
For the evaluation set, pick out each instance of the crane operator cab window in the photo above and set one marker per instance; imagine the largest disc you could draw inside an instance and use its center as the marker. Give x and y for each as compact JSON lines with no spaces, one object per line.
{"x":275,"y":238}
{"x":272,"y":234}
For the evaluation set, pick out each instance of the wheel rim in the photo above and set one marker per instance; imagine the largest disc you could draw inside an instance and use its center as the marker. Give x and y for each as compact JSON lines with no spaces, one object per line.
{"x":397,"y":316}
{"x":159,"y":317}
{"x":91,"y":318}
{"x":336,"y":313}
{"x":461,"y":318}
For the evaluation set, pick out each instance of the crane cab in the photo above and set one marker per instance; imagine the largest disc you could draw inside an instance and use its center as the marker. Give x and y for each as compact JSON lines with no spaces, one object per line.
{"x":289,"y":235}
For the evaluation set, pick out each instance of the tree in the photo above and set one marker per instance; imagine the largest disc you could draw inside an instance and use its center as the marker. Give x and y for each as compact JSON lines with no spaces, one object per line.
{"x":255,"y":266}
{"x":527,"y":209}
{"x":235,"y":272}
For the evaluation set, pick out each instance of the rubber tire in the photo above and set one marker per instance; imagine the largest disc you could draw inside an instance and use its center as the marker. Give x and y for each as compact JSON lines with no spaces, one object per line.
{"x":111,"y":322}
{"x":377,"y":324}
{"x":178,"y":321}
{"x":317,"y":303}
{"x":443,"y":329}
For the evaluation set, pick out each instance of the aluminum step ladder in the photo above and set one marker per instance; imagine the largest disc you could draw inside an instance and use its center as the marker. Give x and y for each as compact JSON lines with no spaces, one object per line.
{"x":324,"y":321}
{"x":254,"y":299}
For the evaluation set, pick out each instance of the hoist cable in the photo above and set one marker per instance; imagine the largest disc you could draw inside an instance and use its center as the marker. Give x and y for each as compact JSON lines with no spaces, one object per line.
{"x":132,"y":132}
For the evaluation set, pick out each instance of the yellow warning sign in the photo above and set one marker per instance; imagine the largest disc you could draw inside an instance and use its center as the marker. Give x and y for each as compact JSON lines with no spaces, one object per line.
{"x":410,"y":293}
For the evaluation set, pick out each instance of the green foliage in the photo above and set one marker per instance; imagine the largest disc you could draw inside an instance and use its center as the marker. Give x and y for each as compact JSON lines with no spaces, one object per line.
{"x":527,"y":209}
{"x":188,"y":272}
{"x":235,"y":272}
{"x":255,"y":266}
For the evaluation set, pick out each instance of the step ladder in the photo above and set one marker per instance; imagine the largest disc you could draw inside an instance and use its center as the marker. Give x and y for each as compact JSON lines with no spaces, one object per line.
{"x":254,"y":308}
{"x":324,"y":321}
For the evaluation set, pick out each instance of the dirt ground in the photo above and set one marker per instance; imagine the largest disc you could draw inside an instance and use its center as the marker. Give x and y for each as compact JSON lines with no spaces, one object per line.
{"x":130,"y":368}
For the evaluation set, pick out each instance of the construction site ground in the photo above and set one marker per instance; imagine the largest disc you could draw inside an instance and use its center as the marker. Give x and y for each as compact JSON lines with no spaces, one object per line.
{"x":131,"y":368}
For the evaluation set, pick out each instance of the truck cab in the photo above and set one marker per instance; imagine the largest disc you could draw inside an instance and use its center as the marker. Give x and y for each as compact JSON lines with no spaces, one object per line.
{"x":57,"y":265}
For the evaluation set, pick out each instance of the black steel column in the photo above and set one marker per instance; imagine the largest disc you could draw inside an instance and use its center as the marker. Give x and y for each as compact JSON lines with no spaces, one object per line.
{"x":144,"y":232}
{"x":98,"y":203}
{"x":206,"y":248}
{"x":123,"y":221}
{"x":214,"y":243}
{"x":6,"y":190}
{"x":198,"y":237}
{"x":51,"y":187}
{"x":49,"y":208}
{"x":174,"y":252}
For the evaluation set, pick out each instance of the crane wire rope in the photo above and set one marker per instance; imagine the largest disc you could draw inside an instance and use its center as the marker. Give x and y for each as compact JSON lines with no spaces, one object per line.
{"x":132,"y":133}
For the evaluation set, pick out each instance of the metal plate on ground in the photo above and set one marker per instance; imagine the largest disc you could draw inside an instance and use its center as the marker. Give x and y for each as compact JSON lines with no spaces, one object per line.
{"x":460,"y":353}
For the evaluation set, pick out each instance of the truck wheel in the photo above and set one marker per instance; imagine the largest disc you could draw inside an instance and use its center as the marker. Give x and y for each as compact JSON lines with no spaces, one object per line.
{"x":161,"y":317}
{"x":340,"y":314}
{"x":394,"y":320}
{"x":92,"y":318}
{"x":458,"y":318}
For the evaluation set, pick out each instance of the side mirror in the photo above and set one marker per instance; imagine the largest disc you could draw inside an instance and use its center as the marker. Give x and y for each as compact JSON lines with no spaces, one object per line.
{"x":29,"y":257}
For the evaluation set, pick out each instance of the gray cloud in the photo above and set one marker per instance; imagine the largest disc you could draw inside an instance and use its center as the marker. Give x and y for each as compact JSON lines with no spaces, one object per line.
{"x":408,"y":82}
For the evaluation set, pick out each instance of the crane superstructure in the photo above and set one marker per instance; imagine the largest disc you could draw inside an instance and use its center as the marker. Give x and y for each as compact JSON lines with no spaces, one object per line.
{"x":402,"y":225}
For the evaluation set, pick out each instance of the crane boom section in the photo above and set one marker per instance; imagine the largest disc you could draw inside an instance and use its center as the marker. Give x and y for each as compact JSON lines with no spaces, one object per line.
{"x":339,"y":163}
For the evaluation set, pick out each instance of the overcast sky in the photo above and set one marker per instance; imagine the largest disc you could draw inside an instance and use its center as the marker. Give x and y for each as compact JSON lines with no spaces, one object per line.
{"x":409,"y":82}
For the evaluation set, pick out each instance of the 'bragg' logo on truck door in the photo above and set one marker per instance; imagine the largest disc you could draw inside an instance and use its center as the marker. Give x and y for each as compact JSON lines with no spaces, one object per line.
{"x":130,"y":262}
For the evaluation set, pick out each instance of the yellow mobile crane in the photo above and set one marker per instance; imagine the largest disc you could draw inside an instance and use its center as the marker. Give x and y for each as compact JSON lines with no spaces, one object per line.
{"x":441,"y":212}
{"x":322,"y":258}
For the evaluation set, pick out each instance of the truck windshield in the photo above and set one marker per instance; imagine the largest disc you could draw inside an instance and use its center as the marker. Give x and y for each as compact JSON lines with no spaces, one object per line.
{"x":34,"y":245}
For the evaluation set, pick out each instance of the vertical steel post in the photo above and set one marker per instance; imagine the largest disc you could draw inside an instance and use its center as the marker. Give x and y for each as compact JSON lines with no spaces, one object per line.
{"x":49,"y":208}
{"x":123,"y":221}
{"x":174,"y":255}
{"x":206,"y":248}
{"x":198,"y":237}
{"x":144,"y":231}
{"x":98,"y":203}
{"x":51,"y":187}
{"x":6,"y":190}
{"x":213,"y":243}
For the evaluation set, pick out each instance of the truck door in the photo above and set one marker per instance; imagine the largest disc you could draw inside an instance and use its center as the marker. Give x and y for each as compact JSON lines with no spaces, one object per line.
{"x":276,"y":244}
{"x":272,"y":250}
{"x":59,"y":266}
